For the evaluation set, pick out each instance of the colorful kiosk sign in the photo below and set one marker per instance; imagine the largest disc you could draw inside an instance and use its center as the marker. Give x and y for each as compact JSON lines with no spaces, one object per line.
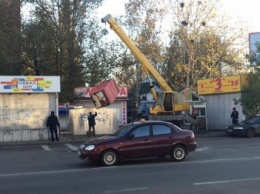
{"x":29,"y":84}
{"x":84,"y":92}
{"x":227,"y":84}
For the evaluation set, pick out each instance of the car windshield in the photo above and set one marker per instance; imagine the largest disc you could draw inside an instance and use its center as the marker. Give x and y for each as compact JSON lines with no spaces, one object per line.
{"x":123,"y":131}
{"x":251,"y":120}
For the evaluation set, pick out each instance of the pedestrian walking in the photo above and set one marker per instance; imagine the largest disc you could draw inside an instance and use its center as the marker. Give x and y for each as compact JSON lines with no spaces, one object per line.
{"x":194,"y":116}
{"x":91,"y":123}
{"x":53,"y":123}
{"x":234,"y":116}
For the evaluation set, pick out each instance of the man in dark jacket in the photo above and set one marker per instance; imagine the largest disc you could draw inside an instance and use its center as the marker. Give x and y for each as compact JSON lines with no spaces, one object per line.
{"x":92,"y":122}
{"x":53,"y":123}
{"x":234,"y":116}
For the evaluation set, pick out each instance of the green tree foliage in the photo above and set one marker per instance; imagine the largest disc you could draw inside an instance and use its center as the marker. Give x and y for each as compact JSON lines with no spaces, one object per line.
{"x":99,"y":58}
{"x":251,"y":94}
{"x":61,"y":39}
{"x":10,"y":56}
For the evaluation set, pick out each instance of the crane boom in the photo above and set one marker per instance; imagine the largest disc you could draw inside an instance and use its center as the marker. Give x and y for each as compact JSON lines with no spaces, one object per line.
{"x":147,"y":66}
{"x":168,"y":101}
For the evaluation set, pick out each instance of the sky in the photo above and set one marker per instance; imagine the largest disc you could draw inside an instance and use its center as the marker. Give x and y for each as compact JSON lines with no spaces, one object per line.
{"x":246,"y":10}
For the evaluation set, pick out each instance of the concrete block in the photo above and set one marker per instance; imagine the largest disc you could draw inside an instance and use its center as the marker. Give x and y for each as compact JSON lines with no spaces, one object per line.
{"x":26,"y":135}
{"x":35,"y":134}
{"x":1,"y":136}
{"x":8,"y":135}
{"x":44,"y":134}
{"x":17,"y":135}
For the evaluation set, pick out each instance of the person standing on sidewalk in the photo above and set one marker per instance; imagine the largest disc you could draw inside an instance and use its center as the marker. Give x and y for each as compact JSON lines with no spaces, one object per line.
{"x":53,"y":123}
{"x":234,"y":116}
{"x":91,"y":123}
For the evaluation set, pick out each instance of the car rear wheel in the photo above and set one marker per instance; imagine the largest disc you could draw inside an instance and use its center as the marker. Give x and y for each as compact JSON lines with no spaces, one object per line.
{"x":250,"y":133}
{"x":109,"y":158}
{"x":178,"y":153}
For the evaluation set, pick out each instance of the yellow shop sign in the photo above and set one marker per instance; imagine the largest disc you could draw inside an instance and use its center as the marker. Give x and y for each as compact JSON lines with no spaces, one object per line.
{"x":222,"y":84}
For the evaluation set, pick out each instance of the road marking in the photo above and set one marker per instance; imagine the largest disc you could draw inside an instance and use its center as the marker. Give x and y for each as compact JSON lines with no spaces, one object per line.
{"x":225,"y":181}
{"x":55,"y":171}
{"x":202,"y":149}
{"x":45,"y":147}
{"x":223,"y":160}
{"x":128,"y":190}
{"x":72,"y":147}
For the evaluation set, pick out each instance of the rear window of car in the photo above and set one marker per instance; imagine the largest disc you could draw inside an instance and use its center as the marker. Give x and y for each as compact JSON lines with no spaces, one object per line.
{"x":161,"y":129}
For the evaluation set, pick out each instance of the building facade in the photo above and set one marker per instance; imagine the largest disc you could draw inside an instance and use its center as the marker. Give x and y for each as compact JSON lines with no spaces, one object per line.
{"x":219,"y":94}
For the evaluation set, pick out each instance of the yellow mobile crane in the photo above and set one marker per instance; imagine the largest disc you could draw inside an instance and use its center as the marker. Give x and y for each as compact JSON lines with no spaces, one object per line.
{"x":169,"y":104}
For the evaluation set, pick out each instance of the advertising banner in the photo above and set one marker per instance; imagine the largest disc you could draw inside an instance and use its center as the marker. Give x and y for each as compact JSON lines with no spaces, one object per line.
{"x":29,"y":84}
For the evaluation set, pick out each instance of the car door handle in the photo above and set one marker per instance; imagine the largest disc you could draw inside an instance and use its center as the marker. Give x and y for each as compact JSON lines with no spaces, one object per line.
{"x":146,"y":139}
{"x":170,"y":137}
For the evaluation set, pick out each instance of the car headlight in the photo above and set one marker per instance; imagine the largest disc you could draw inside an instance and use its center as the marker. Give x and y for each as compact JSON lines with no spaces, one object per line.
{"x":89,"y":148}
{"x":238,"y":128}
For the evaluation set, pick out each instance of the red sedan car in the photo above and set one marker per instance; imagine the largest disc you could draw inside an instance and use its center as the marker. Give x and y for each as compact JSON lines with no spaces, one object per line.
{"x":139,"y":140}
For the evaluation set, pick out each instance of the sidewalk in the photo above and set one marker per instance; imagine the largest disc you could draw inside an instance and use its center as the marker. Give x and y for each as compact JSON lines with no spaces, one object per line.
{"x":69,"y":138}
{"x":210,"y":133}
{"x":63,"y":139}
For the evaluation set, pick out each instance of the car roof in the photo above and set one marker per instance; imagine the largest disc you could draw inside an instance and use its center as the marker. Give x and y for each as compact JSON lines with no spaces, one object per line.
{"x":151,"y":122}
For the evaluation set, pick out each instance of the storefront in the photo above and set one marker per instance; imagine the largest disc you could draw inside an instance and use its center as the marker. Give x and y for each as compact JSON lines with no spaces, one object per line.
{"x":219,"y":94}
{"x":25,"y":104}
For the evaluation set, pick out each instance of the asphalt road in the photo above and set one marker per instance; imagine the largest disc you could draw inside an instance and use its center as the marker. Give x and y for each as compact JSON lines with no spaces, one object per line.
{"x":219,"y":165}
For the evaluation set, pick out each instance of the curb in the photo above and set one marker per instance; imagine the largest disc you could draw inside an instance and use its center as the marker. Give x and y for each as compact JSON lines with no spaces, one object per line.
{"x":217,"y":133}
{"x":67,"y":138}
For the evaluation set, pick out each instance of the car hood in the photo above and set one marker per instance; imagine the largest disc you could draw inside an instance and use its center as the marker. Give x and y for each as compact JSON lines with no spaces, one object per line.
{"x":102,"y":139}
{"x":241,"y":125}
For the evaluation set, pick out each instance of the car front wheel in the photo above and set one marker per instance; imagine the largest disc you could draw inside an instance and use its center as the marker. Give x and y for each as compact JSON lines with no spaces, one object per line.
{"x":109,"y":158}
{"x":178,"y":153}
{"x":250,"y":133}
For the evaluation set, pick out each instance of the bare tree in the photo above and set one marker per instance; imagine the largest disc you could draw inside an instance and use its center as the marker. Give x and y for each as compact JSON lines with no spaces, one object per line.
{"x":184,"y":40}
{"x":205,"y":41}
